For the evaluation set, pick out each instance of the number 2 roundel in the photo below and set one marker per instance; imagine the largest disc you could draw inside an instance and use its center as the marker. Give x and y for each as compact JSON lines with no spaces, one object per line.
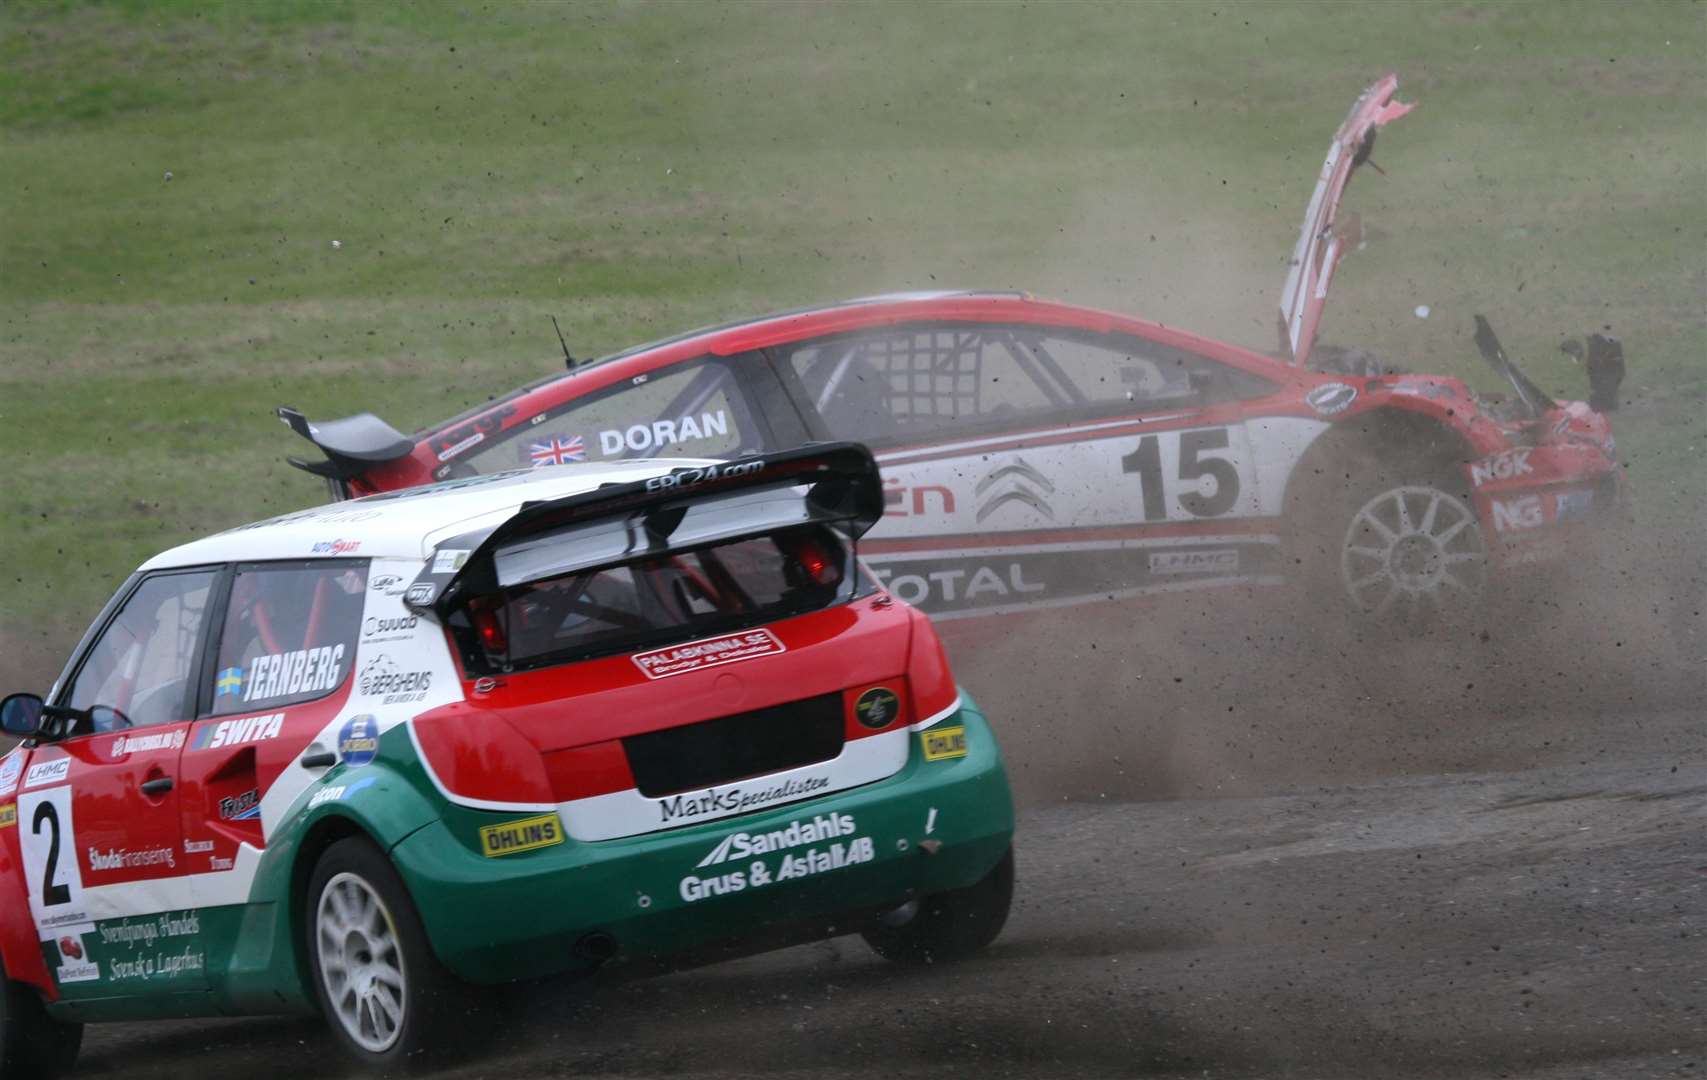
{"x":51,"y":873}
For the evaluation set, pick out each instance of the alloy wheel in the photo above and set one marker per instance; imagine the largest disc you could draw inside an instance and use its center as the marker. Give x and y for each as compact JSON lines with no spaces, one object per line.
{"x":1413,"y":550}
{"x":361,"y":962}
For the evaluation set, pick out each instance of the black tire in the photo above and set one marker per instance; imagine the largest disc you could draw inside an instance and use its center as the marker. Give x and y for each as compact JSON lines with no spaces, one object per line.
{"x":950,"y":925}
{"x":33,"y":1044}
{"x":431,"y":1026}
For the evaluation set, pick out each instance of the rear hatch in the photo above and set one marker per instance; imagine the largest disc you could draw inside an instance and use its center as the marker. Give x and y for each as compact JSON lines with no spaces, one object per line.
{"x":688,"y":648}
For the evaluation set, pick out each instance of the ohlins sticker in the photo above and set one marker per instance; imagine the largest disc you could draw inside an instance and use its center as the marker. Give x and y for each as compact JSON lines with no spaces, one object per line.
{"x":246,"y":729}
{"x":8,"y":815}
{"x":941,"y":743}
{"x":718,"y":802}
{"x":741,"y":845}
{"x":382,"y":678}
{"x":758,"y":873}
{"x":304,"y":671}
{"x":707,"y":653}
{"x":523,"y":834}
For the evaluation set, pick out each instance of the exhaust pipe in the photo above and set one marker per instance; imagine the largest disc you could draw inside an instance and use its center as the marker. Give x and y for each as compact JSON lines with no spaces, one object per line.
{"x":595,"y":947}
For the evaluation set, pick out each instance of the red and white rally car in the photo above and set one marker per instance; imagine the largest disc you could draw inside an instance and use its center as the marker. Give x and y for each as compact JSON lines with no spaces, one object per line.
{"x":1037,"y":454}
{"x":361,"y":760}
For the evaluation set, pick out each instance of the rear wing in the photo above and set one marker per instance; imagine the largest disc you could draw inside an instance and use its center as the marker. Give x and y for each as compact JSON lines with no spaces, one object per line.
{"x":352,"y":446}
{"x":826,"y":483}
{"x":1320,"y":244}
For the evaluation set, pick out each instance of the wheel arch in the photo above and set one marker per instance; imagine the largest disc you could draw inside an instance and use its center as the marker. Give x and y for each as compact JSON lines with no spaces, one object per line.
{"x":329,"y":829}
{"x":1386,"y":441}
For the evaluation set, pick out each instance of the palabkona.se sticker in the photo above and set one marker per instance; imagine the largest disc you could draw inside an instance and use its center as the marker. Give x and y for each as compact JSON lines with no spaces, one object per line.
{"x":830,"y":852}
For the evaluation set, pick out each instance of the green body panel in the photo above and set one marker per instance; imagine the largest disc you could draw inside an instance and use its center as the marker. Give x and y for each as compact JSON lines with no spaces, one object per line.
{"x":520,"y":915}
{"x":394,"y":798}
{"x":495,"y":919}
{"x":251,"y":960}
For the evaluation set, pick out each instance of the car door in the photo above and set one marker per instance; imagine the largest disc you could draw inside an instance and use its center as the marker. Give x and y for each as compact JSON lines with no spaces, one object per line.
{"x":1038,"y":465}
{"x":98,"y":811}
{"x":281,"y":669}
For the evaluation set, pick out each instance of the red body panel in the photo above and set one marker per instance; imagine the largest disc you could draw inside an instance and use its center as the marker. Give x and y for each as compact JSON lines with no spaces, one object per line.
{"x":230,"y":756}
{"x":553,"y":735}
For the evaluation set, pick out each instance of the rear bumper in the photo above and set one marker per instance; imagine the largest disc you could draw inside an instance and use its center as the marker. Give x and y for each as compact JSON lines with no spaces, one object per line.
{"x":933,"y":826}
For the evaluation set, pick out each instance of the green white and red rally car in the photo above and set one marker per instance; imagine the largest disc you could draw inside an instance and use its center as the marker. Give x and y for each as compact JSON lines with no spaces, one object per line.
{"x":366,"y":758}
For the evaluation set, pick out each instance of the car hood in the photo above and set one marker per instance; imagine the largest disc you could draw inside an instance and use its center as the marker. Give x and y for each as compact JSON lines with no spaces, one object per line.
{"x":1321,"y":242}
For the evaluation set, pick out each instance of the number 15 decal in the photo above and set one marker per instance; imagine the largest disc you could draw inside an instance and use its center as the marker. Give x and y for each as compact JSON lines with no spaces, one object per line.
{"x":50,"y":857}
{"x":1193,"y":452}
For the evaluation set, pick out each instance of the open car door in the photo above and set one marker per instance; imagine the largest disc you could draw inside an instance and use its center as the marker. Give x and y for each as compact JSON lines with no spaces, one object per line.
{"x":1320,"y":244}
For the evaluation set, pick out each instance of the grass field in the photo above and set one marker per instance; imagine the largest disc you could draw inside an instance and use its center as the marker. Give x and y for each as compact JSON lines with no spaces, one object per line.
{"x":175,"y":175}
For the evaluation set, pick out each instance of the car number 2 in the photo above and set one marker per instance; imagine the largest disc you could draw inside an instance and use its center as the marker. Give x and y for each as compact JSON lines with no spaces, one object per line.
{"x":50,"y":855}
{"x":1196,"y":460}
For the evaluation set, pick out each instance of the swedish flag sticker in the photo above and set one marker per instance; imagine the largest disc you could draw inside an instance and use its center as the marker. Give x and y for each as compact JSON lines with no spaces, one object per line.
{"x":230,"y":681}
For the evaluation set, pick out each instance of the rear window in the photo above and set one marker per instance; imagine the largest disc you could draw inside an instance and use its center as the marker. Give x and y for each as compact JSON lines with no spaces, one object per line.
{"x":646,"y":603}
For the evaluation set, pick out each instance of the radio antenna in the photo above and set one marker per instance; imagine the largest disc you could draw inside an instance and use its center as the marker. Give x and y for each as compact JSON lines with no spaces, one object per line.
{"x":568,"y":361}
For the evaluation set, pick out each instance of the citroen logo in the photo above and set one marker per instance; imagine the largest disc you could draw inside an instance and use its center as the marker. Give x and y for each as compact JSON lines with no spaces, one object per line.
{"x":1025,"y":485}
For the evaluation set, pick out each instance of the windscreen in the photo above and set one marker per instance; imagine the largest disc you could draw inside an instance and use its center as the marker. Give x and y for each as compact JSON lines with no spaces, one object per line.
{"x":643,"y":603}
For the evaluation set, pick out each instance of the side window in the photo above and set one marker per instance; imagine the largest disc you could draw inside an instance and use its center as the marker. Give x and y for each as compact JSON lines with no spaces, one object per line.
{"x":914,"y":383}
{"x":689,"y":410}
{"x":1106,"y":373}
{"x":144,"y":663}
{"x":289,"y":636}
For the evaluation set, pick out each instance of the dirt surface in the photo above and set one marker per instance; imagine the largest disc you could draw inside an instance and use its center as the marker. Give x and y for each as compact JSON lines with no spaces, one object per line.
{"x":1537,"y":922}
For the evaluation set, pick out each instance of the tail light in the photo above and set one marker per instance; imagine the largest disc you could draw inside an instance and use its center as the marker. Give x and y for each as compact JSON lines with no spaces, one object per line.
{"x":489,"y":626}
{"x":815,"y":561}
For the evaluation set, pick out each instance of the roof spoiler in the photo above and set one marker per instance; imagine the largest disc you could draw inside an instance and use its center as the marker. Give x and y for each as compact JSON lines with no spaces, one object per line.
{"x":352,"y":445}
{"x":680,"y":509}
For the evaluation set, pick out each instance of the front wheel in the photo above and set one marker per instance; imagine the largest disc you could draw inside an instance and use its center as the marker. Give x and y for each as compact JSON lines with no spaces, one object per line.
{"x":31,"y":1042}
{"x":1412,"y":553}
{"x":950,"y":925}
{"x":381,"y":989}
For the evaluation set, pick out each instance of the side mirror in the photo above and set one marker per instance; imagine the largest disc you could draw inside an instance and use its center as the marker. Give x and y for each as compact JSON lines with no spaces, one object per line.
{"x":20,"y":715}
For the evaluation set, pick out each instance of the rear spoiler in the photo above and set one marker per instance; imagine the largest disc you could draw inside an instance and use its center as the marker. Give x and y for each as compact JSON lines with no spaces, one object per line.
{"x":677,"y":510}
{"x":352,"y":446}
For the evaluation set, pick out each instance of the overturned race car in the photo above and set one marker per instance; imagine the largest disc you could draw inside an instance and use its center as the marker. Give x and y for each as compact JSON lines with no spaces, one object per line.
{"x":365,"y":759}
{"x":1037,"y":454}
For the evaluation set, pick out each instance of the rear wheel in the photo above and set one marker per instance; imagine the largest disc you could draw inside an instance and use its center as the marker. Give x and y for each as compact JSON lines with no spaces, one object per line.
{"x":383,"y":992}
{"x":950,"y":925}
{"x":31,"y":1042}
